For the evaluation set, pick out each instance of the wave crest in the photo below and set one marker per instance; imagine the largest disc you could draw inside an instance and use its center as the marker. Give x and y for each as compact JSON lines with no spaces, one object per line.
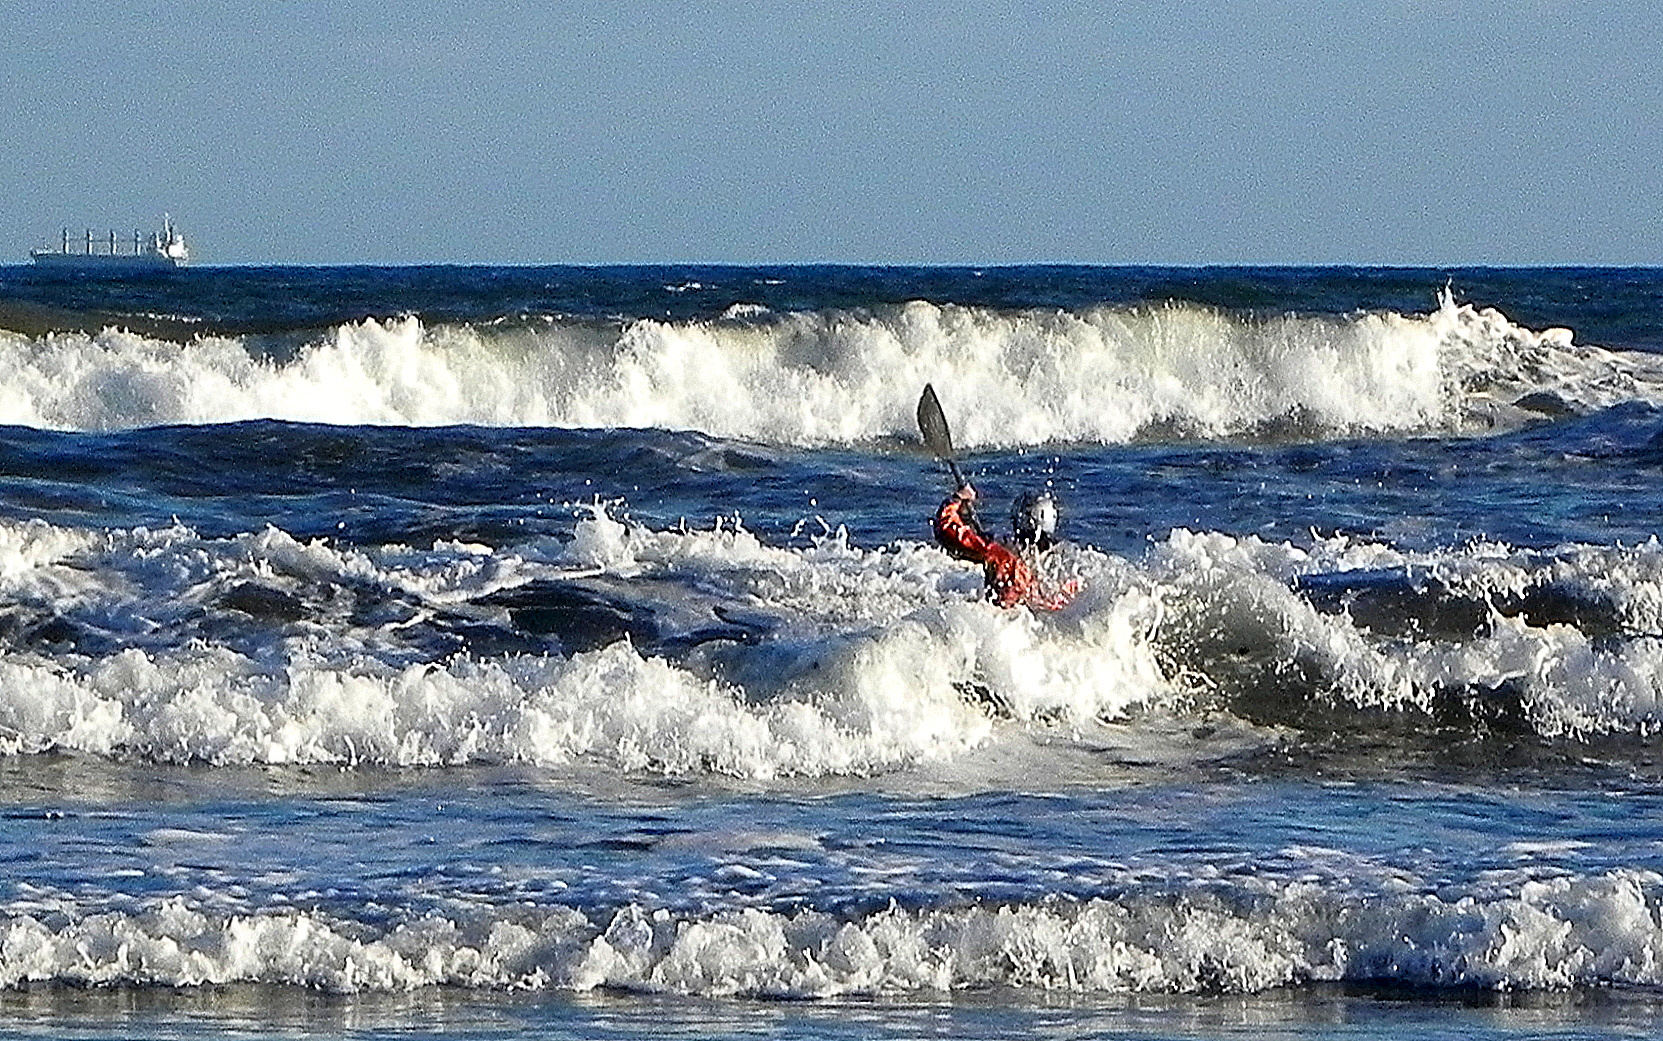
{"x":1242,"y":937}
{"x":1104,"y":375}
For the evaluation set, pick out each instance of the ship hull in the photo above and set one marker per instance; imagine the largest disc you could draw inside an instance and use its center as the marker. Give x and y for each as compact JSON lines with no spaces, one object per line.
{"x":105,"y":263}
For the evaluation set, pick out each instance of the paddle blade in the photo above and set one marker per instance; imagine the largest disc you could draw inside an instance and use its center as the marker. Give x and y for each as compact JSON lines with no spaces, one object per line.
{"x":932,"y":423}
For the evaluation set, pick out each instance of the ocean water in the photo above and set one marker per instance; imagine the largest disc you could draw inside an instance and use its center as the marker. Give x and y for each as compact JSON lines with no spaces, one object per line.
{"x":490,"y":651}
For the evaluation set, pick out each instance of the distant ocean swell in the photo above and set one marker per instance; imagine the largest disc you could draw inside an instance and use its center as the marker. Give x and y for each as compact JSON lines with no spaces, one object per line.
{"x":1225,"y":936}
{"x":1106,"y":375}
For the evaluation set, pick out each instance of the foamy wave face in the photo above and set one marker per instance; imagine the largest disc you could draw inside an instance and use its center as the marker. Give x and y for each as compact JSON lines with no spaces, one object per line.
{"x":1239,"y":937}
{"x":1563,"y":645}
{"x":679,"y":652}
{"x":612,"y":706}
{"x":264,"y":649}
{"x":1106,"y":375}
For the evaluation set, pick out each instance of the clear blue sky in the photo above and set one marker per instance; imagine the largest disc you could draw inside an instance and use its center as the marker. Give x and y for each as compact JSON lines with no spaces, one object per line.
{"x":877,"y":131}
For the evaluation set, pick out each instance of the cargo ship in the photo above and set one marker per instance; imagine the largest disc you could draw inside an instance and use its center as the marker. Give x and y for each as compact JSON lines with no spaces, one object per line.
{"x":163,"y":250}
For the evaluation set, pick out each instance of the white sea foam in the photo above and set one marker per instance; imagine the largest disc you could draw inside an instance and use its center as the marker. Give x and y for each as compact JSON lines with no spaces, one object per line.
{"x":1244,"y":937}
{"x":863,"y":671}
{"x":1570,"y":635}
{"x":1104,"y":375}
{"x":261,"y":648}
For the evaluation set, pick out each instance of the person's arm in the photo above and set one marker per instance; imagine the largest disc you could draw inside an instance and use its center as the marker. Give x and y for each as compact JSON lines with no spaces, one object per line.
{"x":955,"y":526}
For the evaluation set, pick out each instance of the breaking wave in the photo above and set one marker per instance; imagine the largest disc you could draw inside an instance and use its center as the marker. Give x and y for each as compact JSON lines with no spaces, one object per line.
{"x":1105,"y":375}
{"x":710,"y":652}
{"x":1242,"y":936}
